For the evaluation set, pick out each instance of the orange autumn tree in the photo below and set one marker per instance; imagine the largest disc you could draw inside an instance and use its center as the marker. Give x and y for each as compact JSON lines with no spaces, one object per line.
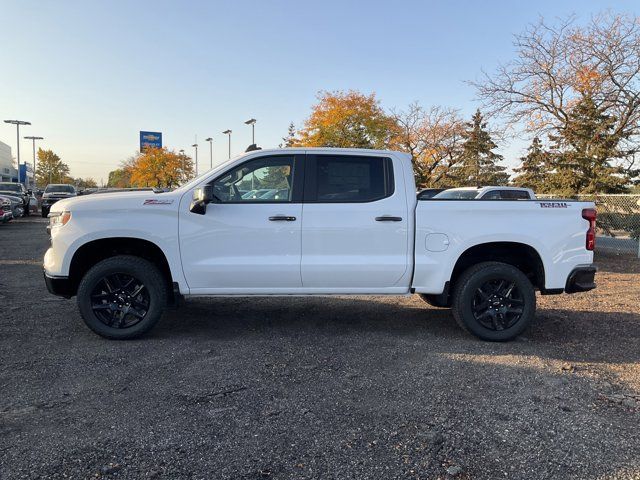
{"x":159,"y":167}
{"x":347,"y":119}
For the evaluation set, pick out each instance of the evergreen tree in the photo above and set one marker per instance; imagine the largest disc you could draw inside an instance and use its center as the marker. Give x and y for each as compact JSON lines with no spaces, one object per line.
{"x":290,"y":140}
{"x":276,"y":177}
{"x":478,"y":164}
{"x":583,"y":151}
{"x":533,"y":171}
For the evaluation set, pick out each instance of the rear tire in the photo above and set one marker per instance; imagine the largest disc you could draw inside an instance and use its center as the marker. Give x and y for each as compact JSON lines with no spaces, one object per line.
{"x":122,"y":297}
{"x":494,"y":301}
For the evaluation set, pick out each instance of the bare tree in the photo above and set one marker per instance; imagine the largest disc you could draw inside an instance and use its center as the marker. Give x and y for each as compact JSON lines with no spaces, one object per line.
{"x":432,"y":137}
{"x":558,"y":65}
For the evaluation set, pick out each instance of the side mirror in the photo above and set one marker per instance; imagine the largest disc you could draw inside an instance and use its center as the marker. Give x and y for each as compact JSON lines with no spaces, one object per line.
{"x":201,"y":197}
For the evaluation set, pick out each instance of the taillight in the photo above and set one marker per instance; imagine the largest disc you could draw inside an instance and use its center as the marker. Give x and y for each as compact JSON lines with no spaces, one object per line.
{"x":590,"y":214}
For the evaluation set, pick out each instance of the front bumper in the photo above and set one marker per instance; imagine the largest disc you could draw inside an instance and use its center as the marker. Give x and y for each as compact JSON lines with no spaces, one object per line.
{"x":60,"y":286}
{"x":47,"y":202}
{"x":581,"y":279}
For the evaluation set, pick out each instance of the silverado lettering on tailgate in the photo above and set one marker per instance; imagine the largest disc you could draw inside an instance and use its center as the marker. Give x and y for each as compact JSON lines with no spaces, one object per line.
{"x":553,"y":204}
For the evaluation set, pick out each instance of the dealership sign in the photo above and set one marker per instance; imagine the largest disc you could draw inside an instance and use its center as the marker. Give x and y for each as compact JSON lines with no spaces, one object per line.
{"x":150,"y":140}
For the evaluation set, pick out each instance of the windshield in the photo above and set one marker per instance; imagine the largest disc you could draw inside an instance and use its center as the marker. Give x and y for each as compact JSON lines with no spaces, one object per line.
{"x":458,"y":194}
{"x":59,"y":189}
{"x":11,"y":187}
{"x":217,"y":168}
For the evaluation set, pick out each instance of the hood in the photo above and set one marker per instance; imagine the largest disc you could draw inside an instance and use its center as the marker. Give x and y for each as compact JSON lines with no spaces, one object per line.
{"x":123,"y":201}
{"x":11,"y":198}
{"x":11,"y":193}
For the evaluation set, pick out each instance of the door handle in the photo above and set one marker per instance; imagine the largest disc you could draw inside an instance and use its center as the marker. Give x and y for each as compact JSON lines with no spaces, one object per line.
{"x":282,"y":218}
{"x":388,"y":218}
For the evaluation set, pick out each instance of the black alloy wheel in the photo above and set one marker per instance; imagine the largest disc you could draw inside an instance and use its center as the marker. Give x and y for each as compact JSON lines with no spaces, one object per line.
{"x":494,"y":301}
{"x":120,"y":300}
{"x":122,"y":297}
{"x":498,"y":304}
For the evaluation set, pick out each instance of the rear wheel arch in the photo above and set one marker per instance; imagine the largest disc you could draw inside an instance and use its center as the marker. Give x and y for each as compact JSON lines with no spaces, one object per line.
{"x":522,"y":256}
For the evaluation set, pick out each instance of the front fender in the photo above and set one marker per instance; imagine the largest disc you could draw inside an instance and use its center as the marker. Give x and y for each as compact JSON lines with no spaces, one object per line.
{"x":159,"y":226}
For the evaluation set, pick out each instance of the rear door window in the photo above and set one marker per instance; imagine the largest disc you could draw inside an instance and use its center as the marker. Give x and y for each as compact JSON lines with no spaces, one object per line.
{"x":348,"y":179}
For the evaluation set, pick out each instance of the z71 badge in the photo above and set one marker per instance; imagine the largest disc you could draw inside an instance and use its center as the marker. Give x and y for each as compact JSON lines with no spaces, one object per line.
{"x":157,"y":202}
{"x":553,"y":204}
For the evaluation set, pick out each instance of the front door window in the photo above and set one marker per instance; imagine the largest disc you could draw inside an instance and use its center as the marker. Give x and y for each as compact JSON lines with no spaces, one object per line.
{"x":267,"y":180}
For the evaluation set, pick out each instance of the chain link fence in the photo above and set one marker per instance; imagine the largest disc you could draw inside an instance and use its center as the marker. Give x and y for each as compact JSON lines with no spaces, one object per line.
{"x":618,"y":223}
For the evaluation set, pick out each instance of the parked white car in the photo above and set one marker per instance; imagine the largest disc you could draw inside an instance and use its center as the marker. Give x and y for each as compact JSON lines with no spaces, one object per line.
{"x":347,"y":222}
{"x":487,"y":193}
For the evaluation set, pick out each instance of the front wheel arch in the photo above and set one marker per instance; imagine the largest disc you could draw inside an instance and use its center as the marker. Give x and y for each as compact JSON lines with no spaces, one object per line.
{"x":92,"y":252}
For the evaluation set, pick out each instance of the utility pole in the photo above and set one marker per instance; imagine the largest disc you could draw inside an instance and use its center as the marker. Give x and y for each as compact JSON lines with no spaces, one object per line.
{"x":17,"y":123}
{"x":228,"y":132}
{"x":33,"y":139}
{"x":210,"y":140}
{"x":181,"y":152}
{"x":195,"y":145}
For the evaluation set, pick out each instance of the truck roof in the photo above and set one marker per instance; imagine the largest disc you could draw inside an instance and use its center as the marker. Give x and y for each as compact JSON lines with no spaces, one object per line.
{"x":489,"y":187}
{"x":333,"y":150}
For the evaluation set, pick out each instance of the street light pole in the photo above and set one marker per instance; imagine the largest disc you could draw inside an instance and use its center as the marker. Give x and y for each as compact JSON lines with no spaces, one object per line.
{"x":195,"y":145}
{"x":33,"y":139}
{"x":181,"y":152}
{"x":252,"y":122}
{"x":210,"y":140}
{"x":17,"y":123}
{"x":228,"y":132}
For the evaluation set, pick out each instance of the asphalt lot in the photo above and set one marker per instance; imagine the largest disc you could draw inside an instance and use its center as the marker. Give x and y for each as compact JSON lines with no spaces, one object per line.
{"x":316,"y":387}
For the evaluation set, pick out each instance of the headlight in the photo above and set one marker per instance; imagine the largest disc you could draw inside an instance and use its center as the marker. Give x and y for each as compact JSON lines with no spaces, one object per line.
{"x":59,"y":219}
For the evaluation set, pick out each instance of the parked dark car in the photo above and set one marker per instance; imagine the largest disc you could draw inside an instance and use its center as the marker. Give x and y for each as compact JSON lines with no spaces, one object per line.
{"x":6,"y":213}
{"x":16,"y":189}
{"x":15,"y":204}
{"x":55,"y":192}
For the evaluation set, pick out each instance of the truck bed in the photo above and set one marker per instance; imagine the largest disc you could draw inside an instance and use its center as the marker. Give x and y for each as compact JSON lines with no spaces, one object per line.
{"x":445,"y":229}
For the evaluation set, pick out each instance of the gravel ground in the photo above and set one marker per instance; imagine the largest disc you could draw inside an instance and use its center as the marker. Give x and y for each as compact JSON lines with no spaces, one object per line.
{"x":316,"y":387}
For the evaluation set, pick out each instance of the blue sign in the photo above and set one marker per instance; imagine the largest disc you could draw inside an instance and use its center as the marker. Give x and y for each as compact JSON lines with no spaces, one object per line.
{"x":150,"y":139}
{"x":25,"y":172}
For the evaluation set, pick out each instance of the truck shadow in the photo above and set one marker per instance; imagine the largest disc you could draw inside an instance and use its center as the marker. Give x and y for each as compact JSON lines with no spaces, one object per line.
{"x":377,"y":363}
{"x":566,"y":335}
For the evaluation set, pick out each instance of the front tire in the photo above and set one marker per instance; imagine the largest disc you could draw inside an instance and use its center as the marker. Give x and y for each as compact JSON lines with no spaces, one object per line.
{"x":45,"y":212}
{"x":494,"y":301}
{"x":122,"y":297}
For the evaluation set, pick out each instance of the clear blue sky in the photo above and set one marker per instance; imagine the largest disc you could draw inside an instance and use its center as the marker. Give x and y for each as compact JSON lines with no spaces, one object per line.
{"x":90,"y":75}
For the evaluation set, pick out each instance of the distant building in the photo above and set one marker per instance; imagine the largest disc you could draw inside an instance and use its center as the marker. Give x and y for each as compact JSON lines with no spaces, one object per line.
{"x":8,"y":173}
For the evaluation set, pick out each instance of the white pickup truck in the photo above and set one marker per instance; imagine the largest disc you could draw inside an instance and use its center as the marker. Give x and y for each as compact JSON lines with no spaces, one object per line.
{"x":330,"y":222}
